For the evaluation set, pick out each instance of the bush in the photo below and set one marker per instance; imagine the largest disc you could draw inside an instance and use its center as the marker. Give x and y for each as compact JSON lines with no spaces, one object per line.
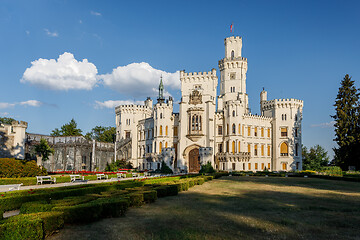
{"x":11,"y":168}
{"x":207,"y":168}
{"x":166,"y":190}
{"x":22,"y":227}
{"x":112,"y":207}
{"x":332,"y":171}
{"x":165,"y":169}
{"x":52,"y":221}
{"x":81,"y":213}
{"x":35,"y":207}
{"x":150,"y":196}
{"x":136,"y":199}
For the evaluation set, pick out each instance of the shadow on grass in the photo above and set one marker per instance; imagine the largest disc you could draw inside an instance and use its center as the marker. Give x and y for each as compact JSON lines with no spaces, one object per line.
{"x":234,"y":208}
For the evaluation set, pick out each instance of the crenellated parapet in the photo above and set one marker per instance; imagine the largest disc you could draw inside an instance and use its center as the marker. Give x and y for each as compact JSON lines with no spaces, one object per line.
{"x":282,"y":103}
{"x":230,"y":63}
{"x":256,"y":117}
{"x":133,"y":108}
{"x":198,"y":76}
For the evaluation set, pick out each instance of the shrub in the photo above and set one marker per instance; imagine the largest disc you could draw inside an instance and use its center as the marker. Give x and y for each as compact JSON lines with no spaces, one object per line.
{"x":11,"y":168}
{"x":136,"y":199}
{"x":165,"y":169}
{"x":200,"y":181}
{"x":22,"y":227}
{"x":86,"y":212}
{"x":331,"y":171}
{"x":166,"y":190}
{"x":35,"y":207}
{"x":112,"y":207}
{"x":52,"y":221}
{"x":207,"y":168}
{"x":150,"y":196}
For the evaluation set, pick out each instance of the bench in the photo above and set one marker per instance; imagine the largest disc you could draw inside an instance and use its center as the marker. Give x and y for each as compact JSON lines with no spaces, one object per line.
{"x":10,"y":187}
{"x":76,"y":177}
{"x":45,"y":179}
{"x":101,"y":176}
{"x":121,"y":175}
{"x":135,"y":174}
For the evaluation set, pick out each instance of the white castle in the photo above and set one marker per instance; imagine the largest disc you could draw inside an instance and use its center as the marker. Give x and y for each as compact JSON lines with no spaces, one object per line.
{"x":212,"y":128}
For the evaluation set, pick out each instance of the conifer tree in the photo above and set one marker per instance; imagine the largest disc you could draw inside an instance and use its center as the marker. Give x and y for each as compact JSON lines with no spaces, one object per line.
{"x":347,"y":125}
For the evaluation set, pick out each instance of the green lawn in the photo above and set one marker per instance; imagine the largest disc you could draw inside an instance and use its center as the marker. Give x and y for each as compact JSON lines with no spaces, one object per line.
{"x":240,"y":208}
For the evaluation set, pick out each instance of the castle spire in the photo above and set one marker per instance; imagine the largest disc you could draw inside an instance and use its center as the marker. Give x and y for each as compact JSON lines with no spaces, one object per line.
{"x":161,"y":91}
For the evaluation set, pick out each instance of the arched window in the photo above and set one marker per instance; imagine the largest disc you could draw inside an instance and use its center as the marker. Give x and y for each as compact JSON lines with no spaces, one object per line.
{"x":160,"y":115}
{"x":160,"y":133}
{"x":296,"y":149}
{"x":232,"y":54}
{"x":166,"y":144}
{"x":233,"y":129}
{"x":233,"y":147}
{"x":227,"y":129}
{"x":284,"y":149}
{"x":282,"y":117}
{"x":166,"y":130}
{"x":239,"y":147}
{"x":233,"y":113}
{"x":160,"y":147}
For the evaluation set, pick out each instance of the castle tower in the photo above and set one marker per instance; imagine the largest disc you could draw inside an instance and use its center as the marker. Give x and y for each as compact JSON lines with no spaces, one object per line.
{"x":161,"y":91}
{"x":233,"y":68}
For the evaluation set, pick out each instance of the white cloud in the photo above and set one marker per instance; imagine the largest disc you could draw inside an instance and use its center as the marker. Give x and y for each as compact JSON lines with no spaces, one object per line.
{"x":139,"y":79}
{"x":65,"y":73}
{"x":6,"y":105}
{"x":115,"y":103}
{"x":95,"y":13}
{"x":51,"y":34}
{"x":32,"y":103}
{"x":27,"y":32}
{"x":324,"y":125}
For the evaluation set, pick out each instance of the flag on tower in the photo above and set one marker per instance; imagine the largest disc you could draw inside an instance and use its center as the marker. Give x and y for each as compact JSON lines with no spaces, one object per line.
{"x":231,"y":27}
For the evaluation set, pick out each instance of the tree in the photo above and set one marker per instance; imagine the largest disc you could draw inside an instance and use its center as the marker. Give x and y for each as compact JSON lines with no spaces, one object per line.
{"x":207,"y":168}
{"x":165,"y":168}
{"x":102,"y":134}
{"x":314,"y":159}
{"x":44,"y":149}
{"x":119,"y":164}
{"x":69,"y":129}
{"x":6,"y":120}
{"x":347,"y":133}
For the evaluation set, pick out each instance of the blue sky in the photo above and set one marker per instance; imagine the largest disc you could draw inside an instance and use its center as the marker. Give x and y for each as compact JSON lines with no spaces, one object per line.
{"x":295,"y":49}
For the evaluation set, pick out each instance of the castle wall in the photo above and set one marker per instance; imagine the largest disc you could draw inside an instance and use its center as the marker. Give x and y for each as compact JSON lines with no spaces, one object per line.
{"x":12,"y":140}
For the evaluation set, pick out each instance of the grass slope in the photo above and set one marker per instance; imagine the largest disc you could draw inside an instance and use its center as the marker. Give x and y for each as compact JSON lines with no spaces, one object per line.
{"x":240,"y":208}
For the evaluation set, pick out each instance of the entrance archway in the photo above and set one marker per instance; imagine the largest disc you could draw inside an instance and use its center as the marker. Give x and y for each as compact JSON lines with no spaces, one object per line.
{"x":194,"y":160}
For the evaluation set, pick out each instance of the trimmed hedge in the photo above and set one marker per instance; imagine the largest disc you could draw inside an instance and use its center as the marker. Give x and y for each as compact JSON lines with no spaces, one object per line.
{"x":35,"y":207}
{"x":45,"y":210}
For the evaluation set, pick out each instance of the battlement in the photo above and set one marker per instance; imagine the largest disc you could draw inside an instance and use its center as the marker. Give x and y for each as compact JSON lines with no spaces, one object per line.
{"x":257,"y":117}
{"x":198,"y":76}
{"x":281,"y":103}
{"x":232,"y":38}
{"x":133,"y":108}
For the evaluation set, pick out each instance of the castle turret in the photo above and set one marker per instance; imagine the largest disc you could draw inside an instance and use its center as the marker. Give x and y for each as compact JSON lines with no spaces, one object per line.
{"x":263,"y":99}
{"x":161,"y":91}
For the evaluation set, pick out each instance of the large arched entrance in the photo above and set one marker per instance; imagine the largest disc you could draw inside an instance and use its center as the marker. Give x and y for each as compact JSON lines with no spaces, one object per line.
{"x":194,"y":160}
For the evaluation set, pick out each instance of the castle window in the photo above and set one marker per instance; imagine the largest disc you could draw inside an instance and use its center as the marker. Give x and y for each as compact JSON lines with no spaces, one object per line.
{"x":296,"y":132}
{"x":166,"y":145}
{"x":233,"y":167}
{"x":249,"y":131}
{"x":233,"y":113}
{"x":283,"y":132}
{"x":160,"y":147}
{"x":268,"y":150}
{"x":268,"y":132}
{"x":255,"y":149}
{"x":239,"y":147}
{"x":249,"y":150}
{"x":296,"y":117}
{"x":255,"y":132}
{"x":227,"y":146}
{"x":284,"y":149}
{"x":262,"y":132}
{"x":127,"y":134}
{"x":233,"y":147}
{"x":227,"y":129}
{"x":297,"y":165}
{"x":160,"y":133}
{"x":220,"y":130}
{"x":166,"y":130}
{"x":284,"y":166}
{"x":256,"y":166}
{"x":233,"y":129}
{"x":175,"y":131}
{"x":160,"y":115}
{"x":232,"y":54}
{"x":220,"y":147}
{"x":296,"y":149}
{"x":249,"y":166}
{"x":239,"y":129}
{"x":262,"y":150}
{"x":282,"y":117}
{"x":262,"y":166}
{"x":269,"y":166}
